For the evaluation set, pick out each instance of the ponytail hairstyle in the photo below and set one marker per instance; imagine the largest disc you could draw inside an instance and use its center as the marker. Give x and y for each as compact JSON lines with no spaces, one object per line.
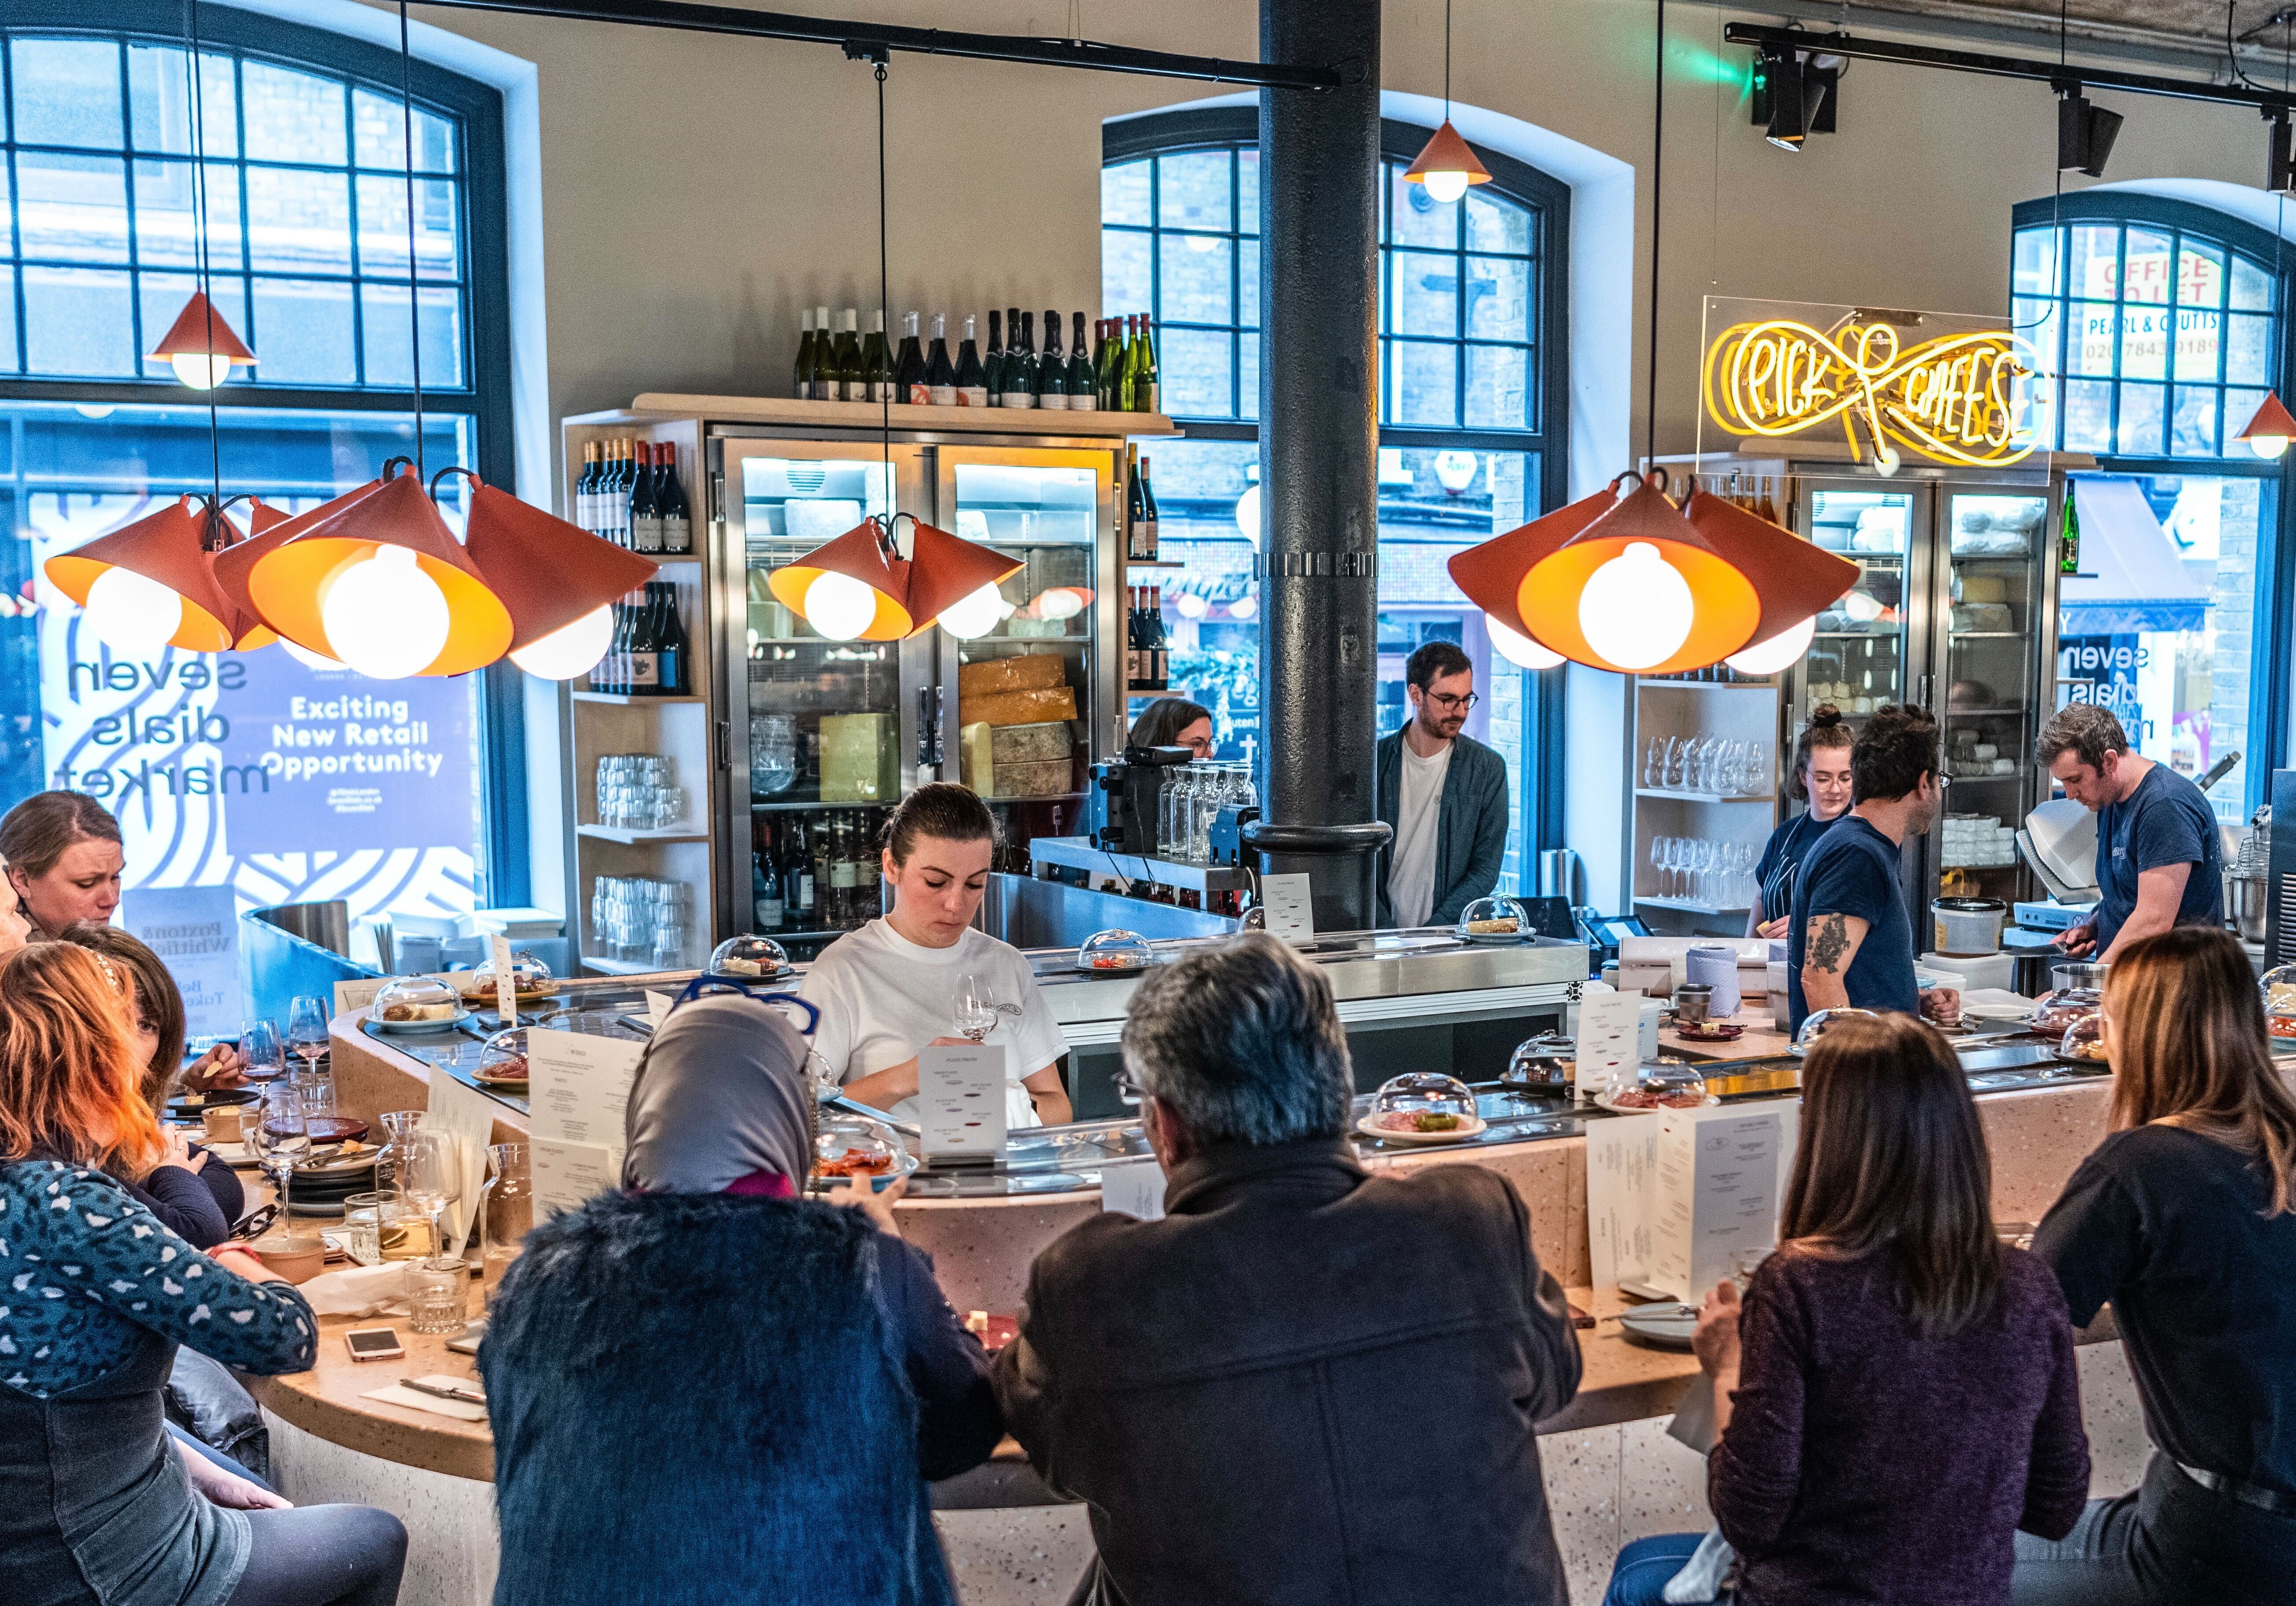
{"x":942,"y":810}
{"x":1824,"y":729}
{"x":70,"y":1087}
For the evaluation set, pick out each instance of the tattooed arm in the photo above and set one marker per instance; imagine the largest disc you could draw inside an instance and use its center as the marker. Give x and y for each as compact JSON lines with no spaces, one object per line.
{"x":1832,"y":943}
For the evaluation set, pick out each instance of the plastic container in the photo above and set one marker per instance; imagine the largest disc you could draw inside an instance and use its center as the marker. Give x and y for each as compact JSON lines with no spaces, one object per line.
{"x":415,"y":1003}
{"x":2279,"y":989}
{"x":748,"y":956}
{"x":1422,"y":1105}
{"x":1967,"y":928}
{"x":1493,"y":919}
{"x":1115,"y":952}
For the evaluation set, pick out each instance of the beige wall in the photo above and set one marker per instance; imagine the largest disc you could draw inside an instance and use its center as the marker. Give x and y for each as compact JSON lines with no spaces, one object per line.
{"x":697,"y":190}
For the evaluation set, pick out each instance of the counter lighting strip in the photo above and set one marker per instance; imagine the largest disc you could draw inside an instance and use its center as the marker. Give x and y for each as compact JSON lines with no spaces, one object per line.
{"x":1444,"y":1007}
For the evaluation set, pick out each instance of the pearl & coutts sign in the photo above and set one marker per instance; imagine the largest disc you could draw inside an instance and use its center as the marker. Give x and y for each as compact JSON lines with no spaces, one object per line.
{"x":1896,"y":384}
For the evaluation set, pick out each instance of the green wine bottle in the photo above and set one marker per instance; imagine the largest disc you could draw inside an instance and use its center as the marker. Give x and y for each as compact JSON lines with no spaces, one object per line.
{"x":803,"y":386}
{"x":876,"y":363}
{"x":1147,"y":393}
{"x":2069,"y":541}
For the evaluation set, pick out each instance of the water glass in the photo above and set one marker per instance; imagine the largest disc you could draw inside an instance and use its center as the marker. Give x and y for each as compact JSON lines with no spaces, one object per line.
{"x":307,"y":1031}
{"x":438,"y":1296}
{"x":976,"y":1004}
{"x":432,"y":1177}
{"x":382,"y":1227}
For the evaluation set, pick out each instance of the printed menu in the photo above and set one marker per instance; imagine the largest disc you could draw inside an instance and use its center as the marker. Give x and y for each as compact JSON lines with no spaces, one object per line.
{"x":961,"y":1101}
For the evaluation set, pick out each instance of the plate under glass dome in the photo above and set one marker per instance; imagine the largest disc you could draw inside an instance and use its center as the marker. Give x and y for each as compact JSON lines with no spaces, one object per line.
{"x":1423,"y":1104}
{"x":1493,"y":919}
{"x":407,"y":1001}
{"x":2279,"y":989}
{"x":1815,"y":1028}
{"x":1116,"y":951}
{"x":748,"y":956}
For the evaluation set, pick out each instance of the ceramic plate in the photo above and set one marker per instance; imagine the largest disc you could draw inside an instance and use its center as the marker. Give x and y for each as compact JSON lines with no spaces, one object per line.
{"x":1668,"y":1326}
{"x":1488,"y":939}
{"x":1111,"y":969}
{"x":417,"y":1027}
{"x":1603,"y":1102}
{"x":1459,"y":1134}
{"x":189,"y":1106}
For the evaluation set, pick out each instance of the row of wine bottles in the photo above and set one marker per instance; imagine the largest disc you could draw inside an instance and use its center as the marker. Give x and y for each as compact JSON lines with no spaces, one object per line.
{"x":1147,"y":651}
{"x":1139,"y":509}
{"x":629,"y":493}
{"x":649,"y":653}
{"x":829,"y":882}
{"x":1118,"y":372}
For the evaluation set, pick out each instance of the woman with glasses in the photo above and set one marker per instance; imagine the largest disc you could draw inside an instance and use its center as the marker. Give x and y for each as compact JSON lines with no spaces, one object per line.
{"x":1442,"y":793}
{"x":795,"y":1364}
{"x":1174,"y":721}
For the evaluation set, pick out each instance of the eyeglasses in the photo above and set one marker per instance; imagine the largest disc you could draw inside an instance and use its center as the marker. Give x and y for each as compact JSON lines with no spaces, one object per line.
{"x":1451,"y":705}
{"x":1129,"y":1092}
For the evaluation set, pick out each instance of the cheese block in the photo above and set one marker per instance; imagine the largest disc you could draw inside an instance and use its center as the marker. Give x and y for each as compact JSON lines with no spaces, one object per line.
{"x":1023,"y":672}
{"x":858,"y":754}
{"x":1034,"y":780}
{"x":1032,"y":743}
{"x":1031,"y":707}
{"x":976,"y":760}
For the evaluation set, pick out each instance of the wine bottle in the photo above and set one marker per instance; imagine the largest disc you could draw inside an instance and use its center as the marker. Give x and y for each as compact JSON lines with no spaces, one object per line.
{"x":1147,"y":514}
{"x":821,"y":384}
{"x":850,"y":386}
{"x":1019,"y":382}
{"x":644,"y":517}
{"x":2069,"y":541}
{"x":597,"y":523}
{"x":876,"y":368}
{"x":843,"y":889}
{"x":670,"y":643}
{"x":610,"y":483}
{"x":1159,"y":652}
{"x":1135,"y":511}
{"x":585,"y":486}
{"x":1100,"y":364}
{"x":1121,"y":384}
{"x":1083,"y":389}
{"x":971,"y":388}
{"x":644,"y":652}
{"x":616,"y":661}
{"x":826,"y":915}
{"x":992,"y":365}
{"x":797,"y":877}
{"x":802,"y":387}
{"x":676,"y":519}
{"x":1147,"y":393}
{"x":909,"y":369}
{"x":767,"y":898}
{"x":1052,"y":370}
{"x":940,"y":376}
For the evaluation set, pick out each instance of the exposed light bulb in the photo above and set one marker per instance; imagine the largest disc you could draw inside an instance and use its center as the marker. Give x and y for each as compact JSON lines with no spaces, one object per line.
{"x":132,"y":612}
{"x":313,"y":661}
{"x":975,"y":614}
{"x":1192,"y":606}
{"x":838,"y":606}
{"x":1780,"y":651}
{"x":385,"y":619}
{"x":1247,"y":515}
{"x":1058,"y":602}
{"x":2268,"y":447}
{"x":1517,"y":648}
{"x":1886,"y":460}
{"x":1444,"y":184}
{"x":201,"y":370}
{"x":1245,"y":607}
{"x":1636,"y":609}
{"x":571,"y":650}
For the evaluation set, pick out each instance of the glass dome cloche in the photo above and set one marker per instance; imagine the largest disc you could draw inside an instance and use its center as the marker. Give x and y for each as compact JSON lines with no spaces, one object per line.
{"x":502,"y":1058}
{"x":1815,"y":1028}
{"x":1548,"y":1062}
{"x":416,"y":1002}
{"x":1422,"y":1106}
{"x":1493,"y":919}
{"x":2279,"y":989}
{"x":1662,"y":1083}
{"x":1116,"y":951}
{"x":530,"y":979}
{"x":748,"y":956}
{"x":854,"y":1147}
{"x":2083,"y":1040}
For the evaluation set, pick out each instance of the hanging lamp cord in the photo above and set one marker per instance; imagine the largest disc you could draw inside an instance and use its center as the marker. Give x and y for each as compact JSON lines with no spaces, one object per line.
{"x":1446,"y":61}
{"x":215,"y":534}
{"x":885,"y":317}
{"x":414,"y":304}
{"x":1658,"y":190}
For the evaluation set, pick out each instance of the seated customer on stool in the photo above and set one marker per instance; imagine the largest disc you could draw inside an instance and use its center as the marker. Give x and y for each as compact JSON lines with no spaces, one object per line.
{"x":889,"y":989}
{"x":1174,"y":721}
{"x":2159,"y":860}
{"x":1306,"y":1383}
{"x":1444,"y":795}
{"x":1851,"y":940}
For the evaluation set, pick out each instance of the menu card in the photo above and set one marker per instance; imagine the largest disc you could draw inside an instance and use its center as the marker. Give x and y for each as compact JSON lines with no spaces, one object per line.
{"x":1291,"y":907}
{"x":658,"y":1006}
{"x":469,"y":1115}
{"x":579,"y":1083}
{"x":567,"y":1174}
{"x":961,"y":1101}
{"x":506,"y":984}
{"x":1621,"y":1193}
{"x":1717,"y":1196}
{"x":1133,"y":1187}
{"x":1609,"y":1039}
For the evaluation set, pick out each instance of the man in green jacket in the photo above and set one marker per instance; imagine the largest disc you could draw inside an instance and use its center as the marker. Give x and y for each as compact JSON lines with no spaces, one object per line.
{"x":1444,"y":794}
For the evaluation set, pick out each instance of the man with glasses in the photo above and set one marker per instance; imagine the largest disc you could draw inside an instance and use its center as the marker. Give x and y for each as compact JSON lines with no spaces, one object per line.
{"x":1443,"y":794}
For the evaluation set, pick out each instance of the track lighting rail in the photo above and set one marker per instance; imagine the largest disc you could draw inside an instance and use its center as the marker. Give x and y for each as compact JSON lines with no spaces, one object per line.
{"x":867,"y":40}
{"x":2056,"y":74}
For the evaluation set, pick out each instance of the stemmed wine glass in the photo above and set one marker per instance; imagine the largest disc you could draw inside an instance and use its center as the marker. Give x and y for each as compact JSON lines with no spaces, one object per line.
{"x":307,"y":1031}
{"x":431,"y":1176}
{"x":976,"y":1005}
{"x":258,"y":1046}
{"x":274,"y":1131}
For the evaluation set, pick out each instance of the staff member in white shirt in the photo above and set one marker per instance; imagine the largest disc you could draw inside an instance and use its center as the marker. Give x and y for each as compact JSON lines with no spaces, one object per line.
{"x":889,"y":989}
{"x":1444,"y":793}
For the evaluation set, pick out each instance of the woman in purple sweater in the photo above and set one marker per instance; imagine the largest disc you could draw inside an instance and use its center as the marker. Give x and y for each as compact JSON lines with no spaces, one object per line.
{"x":1896,"y":1397}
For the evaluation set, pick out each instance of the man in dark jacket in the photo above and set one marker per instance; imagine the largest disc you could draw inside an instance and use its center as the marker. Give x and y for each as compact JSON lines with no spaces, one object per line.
{"x":1305,"y":1385}
{"x":1444,"y":795}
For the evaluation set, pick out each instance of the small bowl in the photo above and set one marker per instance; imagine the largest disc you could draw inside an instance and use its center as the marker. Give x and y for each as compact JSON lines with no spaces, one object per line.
{"x":297,"y":1260}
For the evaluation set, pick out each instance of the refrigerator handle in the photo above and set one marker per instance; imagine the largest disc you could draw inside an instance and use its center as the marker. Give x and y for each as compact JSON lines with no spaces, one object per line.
{"x":1922,"y":694}
{"x":929,"y":753}
{"x":724,"y":732}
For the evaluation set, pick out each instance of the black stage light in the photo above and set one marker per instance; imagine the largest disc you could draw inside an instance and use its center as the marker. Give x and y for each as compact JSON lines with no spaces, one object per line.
{"x":2280,"y":162}
{"x":1793,"y":98}
{"x":2085,"y":134}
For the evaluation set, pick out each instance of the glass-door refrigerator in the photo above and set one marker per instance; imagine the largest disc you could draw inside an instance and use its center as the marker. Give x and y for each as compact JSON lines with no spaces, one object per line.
{"x":820,"y":737}
{"x":1021,"y":700}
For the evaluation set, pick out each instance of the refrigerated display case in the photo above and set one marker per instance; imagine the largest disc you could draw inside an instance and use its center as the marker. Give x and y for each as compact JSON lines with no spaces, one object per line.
{"x":808,"y":741}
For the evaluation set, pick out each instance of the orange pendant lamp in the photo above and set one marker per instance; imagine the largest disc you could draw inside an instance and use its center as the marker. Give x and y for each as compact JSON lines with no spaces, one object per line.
{"x":271,"y":531}
{"x":559,"y":581}
{"x":953,"y":581}
{"x":1447,"y":166}
{"x":247,"y":631}
{"x":859,"y":588}
{"x":2267,"y":433}
{"x":149,"y":584}
{"x":383,"y":588}
{"x":200,"y":345}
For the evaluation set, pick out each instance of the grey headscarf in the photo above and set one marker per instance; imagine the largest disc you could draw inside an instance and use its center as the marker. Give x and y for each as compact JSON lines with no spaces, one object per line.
{"x":721,"y":1093}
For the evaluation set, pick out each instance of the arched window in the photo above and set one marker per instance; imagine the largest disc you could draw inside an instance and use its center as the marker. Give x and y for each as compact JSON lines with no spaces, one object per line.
{"x":1472,"y":356}
{"x":2159,"y":329}
{"x":249,"y":770}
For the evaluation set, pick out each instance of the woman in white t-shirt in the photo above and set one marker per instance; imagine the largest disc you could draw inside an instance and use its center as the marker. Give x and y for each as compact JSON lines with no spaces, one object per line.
{"x":889,"y":989}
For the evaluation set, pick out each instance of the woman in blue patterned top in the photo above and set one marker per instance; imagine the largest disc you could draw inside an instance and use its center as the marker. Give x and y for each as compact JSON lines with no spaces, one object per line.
{"x":98,"y":1506}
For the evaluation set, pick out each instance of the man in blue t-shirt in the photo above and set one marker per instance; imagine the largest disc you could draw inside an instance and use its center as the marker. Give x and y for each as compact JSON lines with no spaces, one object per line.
{"x":1851,"y":940}
{"x":2159,"y":860}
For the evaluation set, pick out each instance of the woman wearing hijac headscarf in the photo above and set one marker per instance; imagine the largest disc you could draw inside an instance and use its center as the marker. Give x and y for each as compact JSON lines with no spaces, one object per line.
{"x":785,"y":1372}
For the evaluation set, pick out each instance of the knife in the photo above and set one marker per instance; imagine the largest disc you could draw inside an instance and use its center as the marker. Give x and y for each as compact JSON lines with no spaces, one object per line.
{"x":464,"y":1395}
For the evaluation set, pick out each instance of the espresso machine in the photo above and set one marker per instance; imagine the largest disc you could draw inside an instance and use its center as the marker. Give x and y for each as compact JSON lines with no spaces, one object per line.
{"x":1120,"y":810}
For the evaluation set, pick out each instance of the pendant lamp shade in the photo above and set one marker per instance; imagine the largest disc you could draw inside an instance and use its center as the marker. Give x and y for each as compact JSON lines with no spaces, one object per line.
{"x":1491,"y":574}
{"x":2267,"y":433}
{"x":149,"y":584}
{"x":553,"y":576}
{"x":383,"y":588}
{"x":1447,"y":166}
{"x":946,"y":569}
{"x":271,"y":529}
{"x":858,"y":558}
{"x":1796,"y":580}
{"x":247,"y":631}
{"x":200,"y":345}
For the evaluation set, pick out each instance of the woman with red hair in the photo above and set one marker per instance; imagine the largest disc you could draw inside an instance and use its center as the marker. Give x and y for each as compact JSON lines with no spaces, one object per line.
{"x":98,"y":1505}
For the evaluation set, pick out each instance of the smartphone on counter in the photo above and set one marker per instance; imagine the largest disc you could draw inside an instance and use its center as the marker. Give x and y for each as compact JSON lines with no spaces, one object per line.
{"x":374,"y":1343}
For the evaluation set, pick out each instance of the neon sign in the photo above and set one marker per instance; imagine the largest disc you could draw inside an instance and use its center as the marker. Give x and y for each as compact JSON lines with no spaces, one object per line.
{"x":1961,"y":399}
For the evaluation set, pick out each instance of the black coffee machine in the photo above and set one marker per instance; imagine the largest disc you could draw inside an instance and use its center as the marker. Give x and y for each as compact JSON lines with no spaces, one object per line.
{"x":1121,"y":808}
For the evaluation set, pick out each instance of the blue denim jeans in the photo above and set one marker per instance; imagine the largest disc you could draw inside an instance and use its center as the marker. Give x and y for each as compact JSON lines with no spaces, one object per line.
{"x":1645,"y":1567}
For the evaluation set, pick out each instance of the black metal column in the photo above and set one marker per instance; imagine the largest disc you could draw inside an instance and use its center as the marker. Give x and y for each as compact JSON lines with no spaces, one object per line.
{"x":1319,"y":438}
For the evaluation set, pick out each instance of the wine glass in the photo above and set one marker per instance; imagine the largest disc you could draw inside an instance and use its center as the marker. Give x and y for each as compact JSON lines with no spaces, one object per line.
{"x":1678,"y":756}
{"x":274,"y":1130}
{"x":307,"y":1031}
{"x":976,"y":1005}
{"x":431,"y":1176}
{"x":258,"y":1046}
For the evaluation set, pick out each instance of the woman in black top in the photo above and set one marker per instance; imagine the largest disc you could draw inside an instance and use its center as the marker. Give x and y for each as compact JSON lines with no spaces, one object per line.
{"x":2185,"y":1218}
{"x":1821,"y":778}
